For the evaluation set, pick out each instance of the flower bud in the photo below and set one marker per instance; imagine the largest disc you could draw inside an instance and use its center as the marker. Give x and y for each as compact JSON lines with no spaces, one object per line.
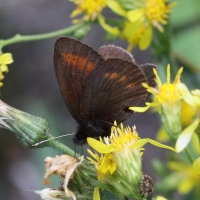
{"x":29,"y":129}
{"x":171,"y":119}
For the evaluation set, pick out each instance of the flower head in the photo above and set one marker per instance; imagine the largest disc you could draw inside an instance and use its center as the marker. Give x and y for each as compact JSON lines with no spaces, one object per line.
{"x":92,"y":10}
{"x":148,"y":14}
{"x":193,"y":101}
{"x":183,"y":177}
{"x":119,"y":164}
{"x":137,"y":34}
{"x":168,"y":98}
{"x":5,"y":59}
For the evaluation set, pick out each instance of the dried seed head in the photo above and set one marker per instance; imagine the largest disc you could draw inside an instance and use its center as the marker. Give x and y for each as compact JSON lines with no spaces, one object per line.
{"x":147,"y":186}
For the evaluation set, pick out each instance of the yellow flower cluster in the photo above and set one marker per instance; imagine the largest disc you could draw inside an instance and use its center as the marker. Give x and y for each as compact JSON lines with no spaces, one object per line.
{"x":138,"y":22}
{"x":5,"y":59}
{"x":149,"y":13}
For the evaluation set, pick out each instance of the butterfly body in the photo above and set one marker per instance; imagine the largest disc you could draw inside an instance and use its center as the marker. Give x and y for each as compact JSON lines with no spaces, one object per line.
{"x":91,"y":129}
{"x":99,"y":87}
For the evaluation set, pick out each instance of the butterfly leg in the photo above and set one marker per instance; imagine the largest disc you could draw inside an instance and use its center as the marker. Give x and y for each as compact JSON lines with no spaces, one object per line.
{"x":82,"y":149}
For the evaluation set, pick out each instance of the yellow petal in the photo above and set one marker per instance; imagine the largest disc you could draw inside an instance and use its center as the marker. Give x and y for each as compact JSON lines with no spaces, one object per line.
{"x":168,"y":73}
{"x":143,"y":109}
{"x":186,"y":95}
{"x":75,"y":13}
{"x":195,"y":144}
{"x":175,"y":166}
{"x":112,"y":30}
{"x":160,"y":145}
{"x":196,"y":165}
{"x":135,"y":15}
{"x":96,"y":195}
{"x":160,"y":198}
{"x":146,"y":38}
{"x":177,"y":78}
{"x":185,"y":186}
{"x":131,"y":28}
{"x":4,"y":68}
{"x":99,"y":146}
{"x":6,"y":58}
{"x":185,"y":137}
{"x":113,"y":168}
{"x":142,"y":142}
{"x":115,"y":7}
{"x":162,"y":135}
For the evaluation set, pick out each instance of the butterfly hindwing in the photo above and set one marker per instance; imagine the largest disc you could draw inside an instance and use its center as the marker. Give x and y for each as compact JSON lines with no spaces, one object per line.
{"x":111,"y":51}
{"x":74,"y":62}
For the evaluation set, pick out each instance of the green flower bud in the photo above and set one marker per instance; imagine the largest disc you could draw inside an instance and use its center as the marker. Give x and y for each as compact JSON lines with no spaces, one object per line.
{"x":29,"y":129}
{"x":171,"y":119}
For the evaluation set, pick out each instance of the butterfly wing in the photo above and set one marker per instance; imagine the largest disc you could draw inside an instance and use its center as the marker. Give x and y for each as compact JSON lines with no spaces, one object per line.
{"x":113,"y":86}
{"x":74,"y":62}
{"x":111,"y":51}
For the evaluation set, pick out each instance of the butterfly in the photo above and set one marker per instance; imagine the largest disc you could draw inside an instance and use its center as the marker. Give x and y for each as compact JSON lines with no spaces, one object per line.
{"x":99,"y":87}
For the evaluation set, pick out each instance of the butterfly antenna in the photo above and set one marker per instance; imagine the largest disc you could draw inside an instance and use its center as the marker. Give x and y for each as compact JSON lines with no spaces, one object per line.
{"x":36,"y":144}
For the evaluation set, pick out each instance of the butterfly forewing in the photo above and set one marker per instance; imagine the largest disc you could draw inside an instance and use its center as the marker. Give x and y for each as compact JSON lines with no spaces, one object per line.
{"x":112,"y":88}
{"x":74,"y":62}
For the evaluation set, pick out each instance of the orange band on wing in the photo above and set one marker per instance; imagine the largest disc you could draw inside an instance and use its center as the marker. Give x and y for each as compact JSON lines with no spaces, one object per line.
{"x":78,"y":61}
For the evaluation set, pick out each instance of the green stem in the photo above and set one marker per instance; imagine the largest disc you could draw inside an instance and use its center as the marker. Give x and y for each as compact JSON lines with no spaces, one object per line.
{"x":187,"y":152}
{"x":57,"y":145}
{"x":24,"y":38}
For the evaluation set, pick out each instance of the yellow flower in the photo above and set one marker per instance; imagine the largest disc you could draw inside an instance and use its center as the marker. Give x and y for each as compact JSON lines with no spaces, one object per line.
{"x":5,"y":59}
{"x":167,"y":98}
{"x":196,"y":165}
{"x":187,"y":113}
{"x":137,"y":34}
{"x":160,"y":198}
{"x":148,"y":13}
{"x":192,"y":99}
{"x":92,"y":10}
{"x":166,"y":94}
{"x":119,"y":164}
{"x":186,"y":177}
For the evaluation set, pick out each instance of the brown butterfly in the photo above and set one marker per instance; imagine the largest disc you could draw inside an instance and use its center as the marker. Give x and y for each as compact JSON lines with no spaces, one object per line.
{"x":99,"y":87}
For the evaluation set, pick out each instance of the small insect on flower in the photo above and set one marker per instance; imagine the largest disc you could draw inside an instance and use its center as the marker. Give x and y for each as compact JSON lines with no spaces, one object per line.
{"x":147,"y":186}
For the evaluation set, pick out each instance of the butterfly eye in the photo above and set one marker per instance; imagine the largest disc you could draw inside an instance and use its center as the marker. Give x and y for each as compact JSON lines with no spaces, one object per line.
{"x":131,"y":85}
{"x":113,"y":76}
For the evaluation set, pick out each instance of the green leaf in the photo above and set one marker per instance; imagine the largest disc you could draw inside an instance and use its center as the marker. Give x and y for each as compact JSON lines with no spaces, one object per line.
{"x":186,"y":44}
